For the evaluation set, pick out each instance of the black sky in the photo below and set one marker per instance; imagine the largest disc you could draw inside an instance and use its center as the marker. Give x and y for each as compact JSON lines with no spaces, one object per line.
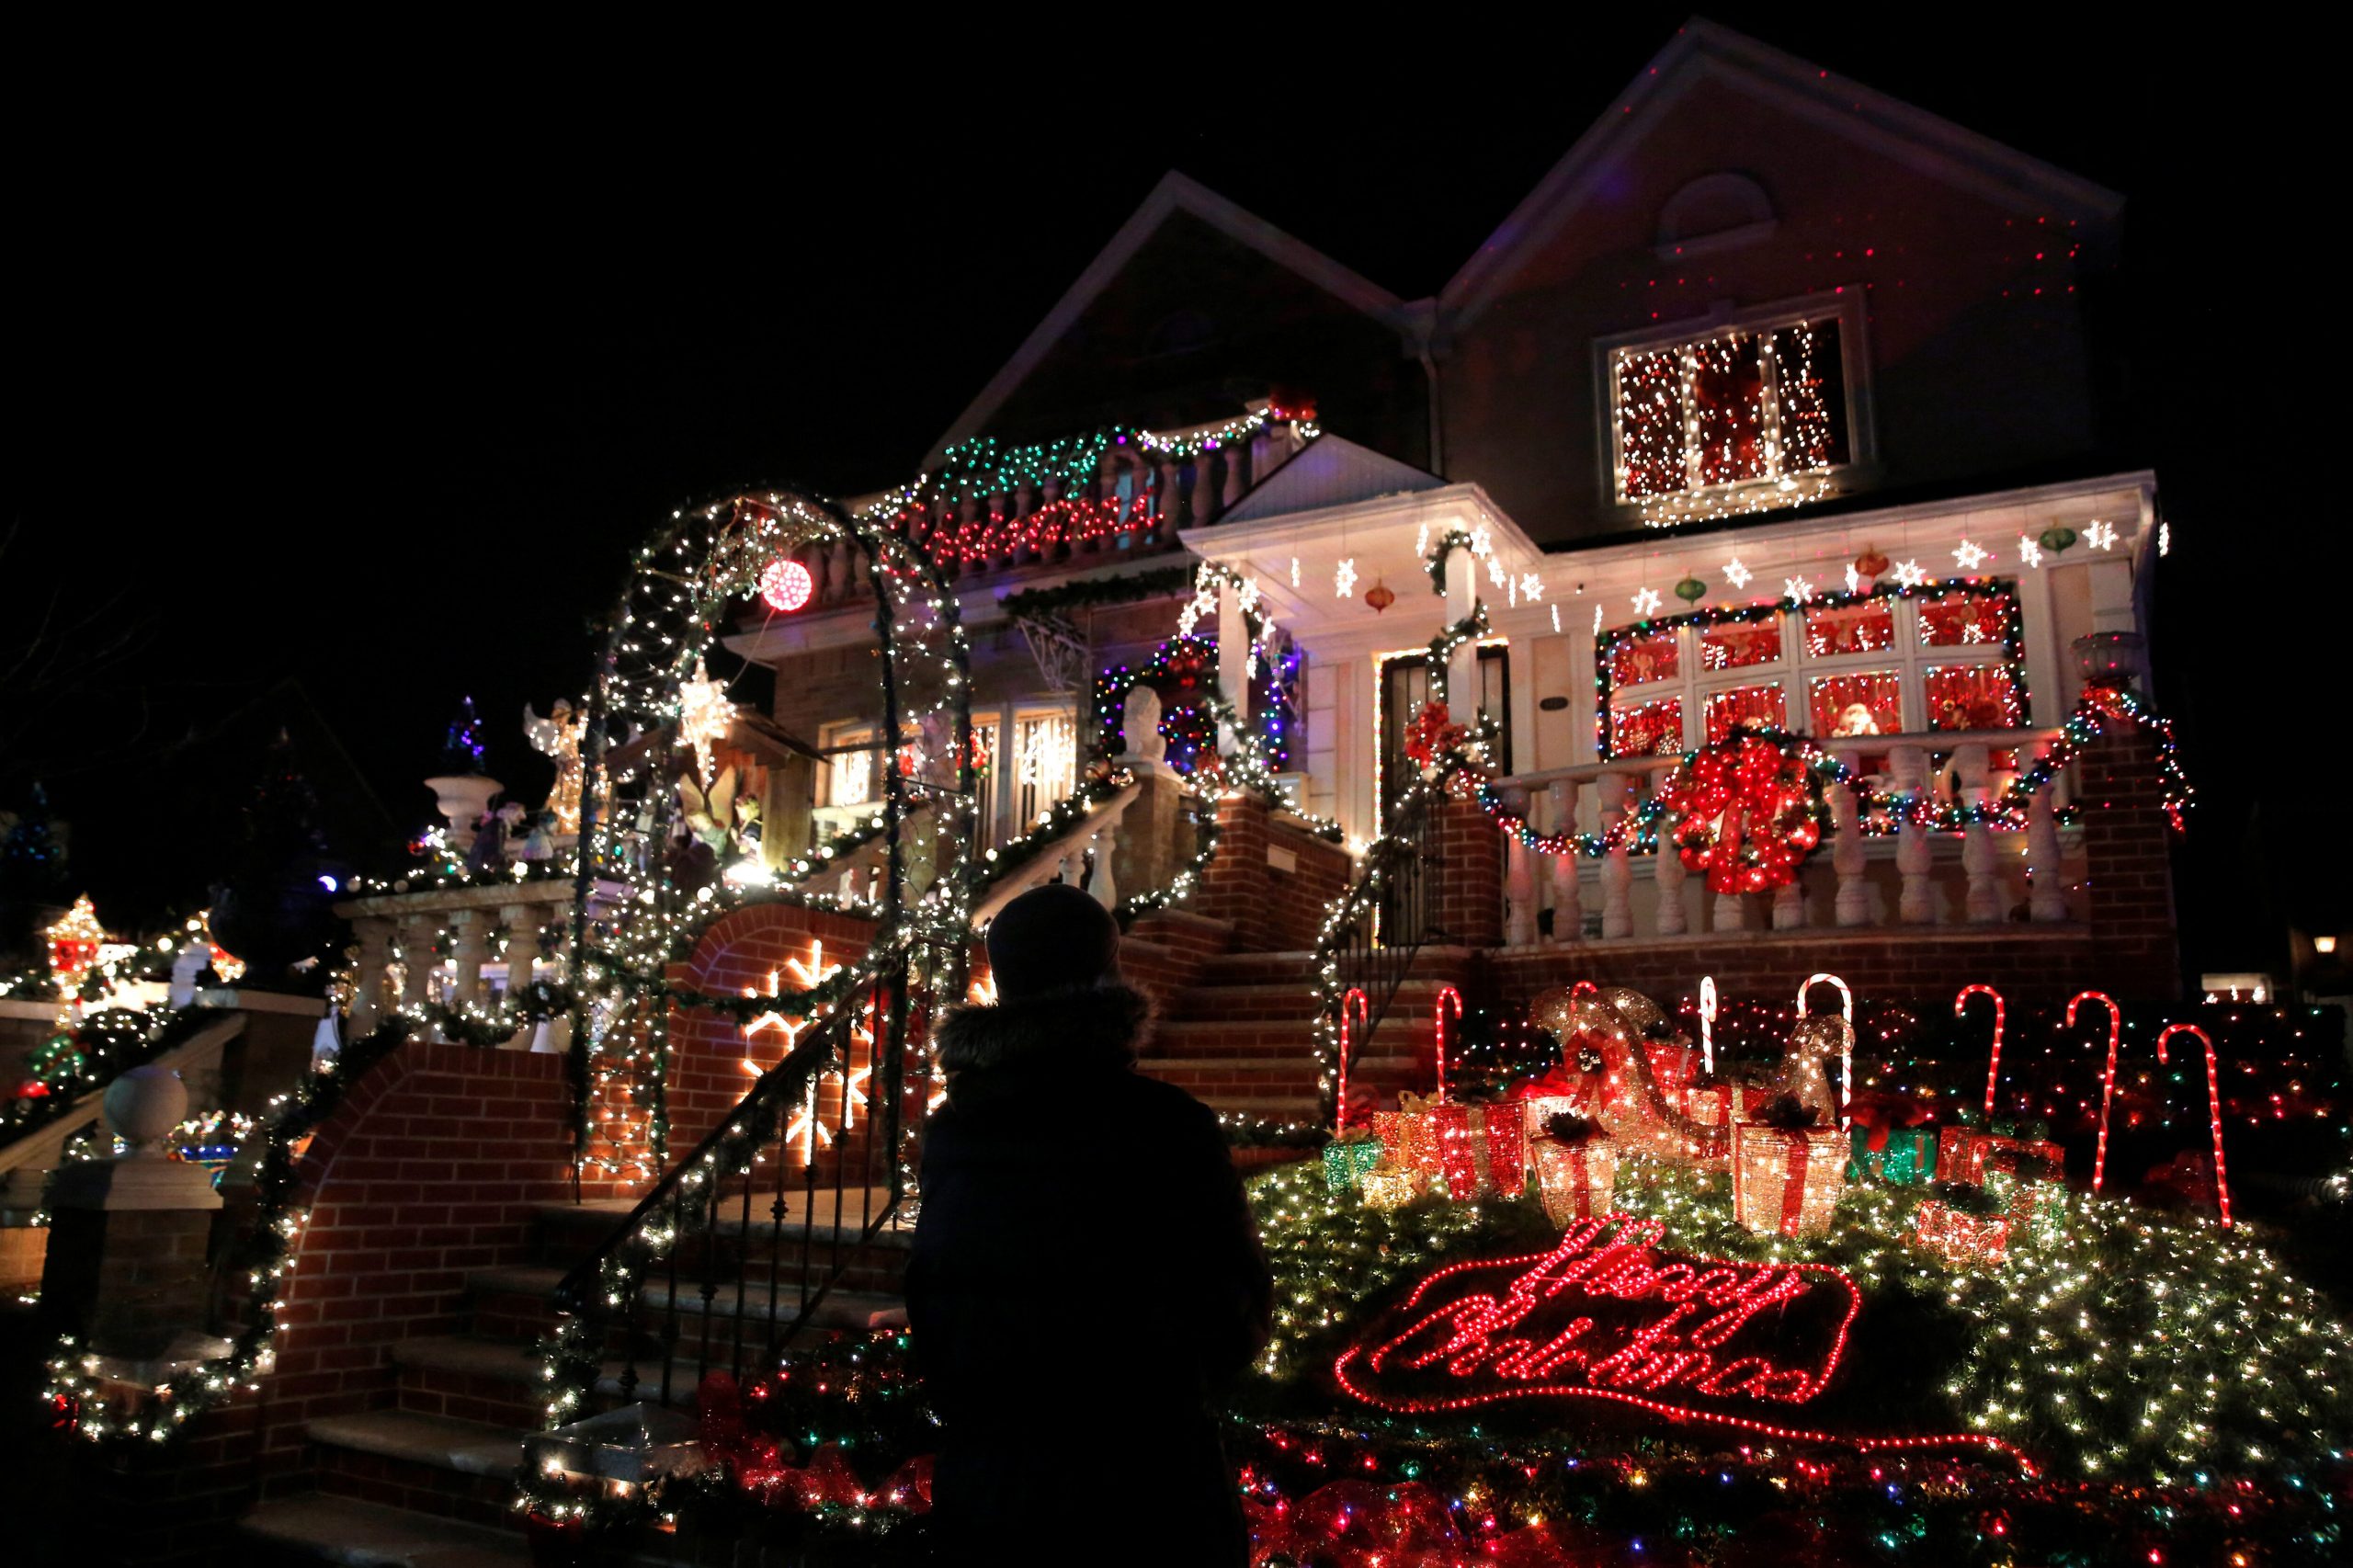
{"x":353,"y":384}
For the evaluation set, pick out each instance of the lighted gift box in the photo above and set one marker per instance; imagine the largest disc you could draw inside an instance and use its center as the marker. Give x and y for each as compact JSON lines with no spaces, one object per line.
{"x":1709,"y":1105}
{"x":1953,"y":1146}
{"x":1413,"y":1132}
{"x":1904,"y":1156}
{"x":1640,"y":1112}
{"x":1346,"y":1160}
{"x":1962,"y":1240}
{"x":1538,"y":1109}
{"x":1503,"y":1146}
{"x":2034,"y":1202}
{"x":1576,"y":1180}
{"x":1993,"y":1151}
{"x":1391,"y":1188}
{"x":1786,"y":1179}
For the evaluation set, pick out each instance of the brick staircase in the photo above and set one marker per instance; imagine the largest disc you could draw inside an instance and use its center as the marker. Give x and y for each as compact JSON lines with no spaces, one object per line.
{"x":1240,"y":1036}
{"x":427,"y":1479}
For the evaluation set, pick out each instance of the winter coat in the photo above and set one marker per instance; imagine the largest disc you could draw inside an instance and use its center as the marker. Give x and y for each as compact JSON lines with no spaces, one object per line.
{"x":1086,"y":1275}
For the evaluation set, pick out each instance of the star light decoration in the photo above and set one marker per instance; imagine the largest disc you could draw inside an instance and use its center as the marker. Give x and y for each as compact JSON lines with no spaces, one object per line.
{"x":1737,"y":574}
{"x":2030,"y":552}
{"x":1909,"y":575}
{"x":1344,"y":580}
{"x":2100,"y":536}
{"x":1797,"y":588}
{"x":1646,"y":604}
{"x":704,"y":717}
{"x":1970,"y":555}
{"x":1531,"y":587}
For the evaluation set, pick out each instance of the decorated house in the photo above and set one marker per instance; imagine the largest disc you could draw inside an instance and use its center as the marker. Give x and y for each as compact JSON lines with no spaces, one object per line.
{"x":1724,"y":590}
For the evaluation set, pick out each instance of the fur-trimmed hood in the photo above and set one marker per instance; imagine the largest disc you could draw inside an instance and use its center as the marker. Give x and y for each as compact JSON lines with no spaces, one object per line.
{"x":1098,"y":1026}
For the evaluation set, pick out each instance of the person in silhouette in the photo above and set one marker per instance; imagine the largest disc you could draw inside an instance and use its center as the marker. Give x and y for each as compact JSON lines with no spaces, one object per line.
{"x":1086,"y":1272}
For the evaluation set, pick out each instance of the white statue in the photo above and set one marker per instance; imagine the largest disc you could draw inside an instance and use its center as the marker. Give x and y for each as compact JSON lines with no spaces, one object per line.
{"x":1140,"y":722}
{"x":558,"y":735}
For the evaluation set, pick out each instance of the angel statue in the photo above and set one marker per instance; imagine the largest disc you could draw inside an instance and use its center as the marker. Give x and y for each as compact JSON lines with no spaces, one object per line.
{"x":558,"y":735}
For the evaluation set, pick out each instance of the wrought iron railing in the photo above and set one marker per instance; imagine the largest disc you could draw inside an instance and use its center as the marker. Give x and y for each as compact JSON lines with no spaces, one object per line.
{"x":1373,"y":933}
{"x":756,"y":1229}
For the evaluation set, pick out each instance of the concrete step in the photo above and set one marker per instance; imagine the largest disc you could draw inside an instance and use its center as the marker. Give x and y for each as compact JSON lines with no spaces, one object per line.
{"x":358,"y":1534}
{"x":428,"y":1464}
{"x":1401,"y":1038}
{"x":1288,"y":1001}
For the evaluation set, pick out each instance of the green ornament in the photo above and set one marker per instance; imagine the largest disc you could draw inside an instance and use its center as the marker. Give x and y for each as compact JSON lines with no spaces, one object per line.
{"x":1690,"y":590}
{"x":2057,"y":537}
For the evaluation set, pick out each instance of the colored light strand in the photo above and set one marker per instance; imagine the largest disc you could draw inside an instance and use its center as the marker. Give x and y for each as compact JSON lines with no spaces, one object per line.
{"x":2214,"y":1108}
{"x":1994,"y":1067}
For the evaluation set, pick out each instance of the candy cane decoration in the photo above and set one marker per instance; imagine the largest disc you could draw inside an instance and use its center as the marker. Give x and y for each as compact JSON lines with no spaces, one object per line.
{"x":1847,"y":1051}
{"x":1708,"y":1025}
{"x":2108,"y":1078}
{"x":2213,"y":1109}
{"x":1354,"y":1000}
{"x":1584,"y":988}
{"x":1993,"y":1069}
{"x":1437,"y":1019}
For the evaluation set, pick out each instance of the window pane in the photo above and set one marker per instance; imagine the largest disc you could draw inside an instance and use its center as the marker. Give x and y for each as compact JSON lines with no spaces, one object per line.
{"x":1865,"y":627}
{"x":1648,"y":729}
{"x":1751,"y":705}
{"x":1814,"y":395}
{"x":1045,"y":761}
{"x":1650,"y":424}
{"x":1737,"y":644}
{"x":1960,"y":620}
{"x":1867,"y":704}
{"x":1728,"y":407}
{"x":1644,"y":659}
{"x":852,"y":773}
{"x":1971,"y":697}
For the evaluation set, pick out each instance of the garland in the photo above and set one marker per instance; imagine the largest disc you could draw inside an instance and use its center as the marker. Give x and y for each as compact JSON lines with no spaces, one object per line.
{"x":106,"y":1043}
{"x":1094,"y":593}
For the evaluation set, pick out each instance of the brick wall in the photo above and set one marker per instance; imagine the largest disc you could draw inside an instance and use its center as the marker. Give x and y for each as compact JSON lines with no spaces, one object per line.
{"x":2128,"y":868}
{"x":1270,"y":882}
{"x":1471,"y":874}
{"x":430,"y":1168}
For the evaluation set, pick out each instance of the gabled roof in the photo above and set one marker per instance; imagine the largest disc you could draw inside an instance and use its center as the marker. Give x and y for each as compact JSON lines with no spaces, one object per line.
{"x":1174,"y":194}
{"x":1702,"y":50}
{"x":1331,"y":471}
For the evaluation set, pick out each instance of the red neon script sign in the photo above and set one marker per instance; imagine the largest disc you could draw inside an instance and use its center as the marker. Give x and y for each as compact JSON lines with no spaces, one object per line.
{"x":1604,"y":1316}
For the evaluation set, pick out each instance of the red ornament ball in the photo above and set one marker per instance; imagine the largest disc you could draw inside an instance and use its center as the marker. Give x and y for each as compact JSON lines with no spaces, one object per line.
{"x":786,"y":586}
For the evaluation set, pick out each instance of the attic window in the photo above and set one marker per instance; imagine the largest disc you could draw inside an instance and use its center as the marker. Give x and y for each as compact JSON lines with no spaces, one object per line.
{"x":1740,"y":419}
{"x":1712,"y":211}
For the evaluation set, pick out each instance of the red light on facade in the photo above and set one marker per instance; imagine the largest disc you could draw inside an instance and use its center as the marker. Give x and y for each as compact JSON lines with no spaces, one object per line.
{"x":786,"y":586}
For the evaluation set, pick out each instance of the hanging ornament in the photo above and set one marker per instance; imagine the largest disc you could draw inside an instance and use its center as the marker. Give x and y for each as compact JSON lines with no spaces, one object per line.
{"x":1379,"y":596}
{"x":1868,"y":567}
{"x":2057,"y":538}
{"x":786,"y":586}
{"x":1690,"y":590}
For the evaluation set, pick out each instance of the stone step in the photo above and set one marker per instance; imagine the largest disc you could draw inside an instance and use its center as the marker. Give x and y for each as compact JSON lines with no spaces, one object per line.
{"x":1440,"y":962}
{"x":1404,"y":1039}
{"x":357,"y":1534}
{"x":1293,"y":1000}
{"x":430,"y":1464}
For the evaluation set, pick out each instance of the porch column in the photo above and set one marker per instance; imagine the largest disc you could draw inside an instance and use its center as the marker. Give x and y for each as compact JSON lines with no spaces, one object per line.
{"x":1918,"y":904}
{"x":1568,"y":903}
{"x":1233,"y":667}
{"x":1462,"y":665}
{"x":1617,"y":872}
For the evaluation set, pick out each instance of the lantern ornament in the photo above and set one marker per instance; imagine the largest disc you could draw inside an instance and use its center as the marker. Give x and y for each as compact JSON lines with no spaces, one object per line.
{"x":786,"y":586}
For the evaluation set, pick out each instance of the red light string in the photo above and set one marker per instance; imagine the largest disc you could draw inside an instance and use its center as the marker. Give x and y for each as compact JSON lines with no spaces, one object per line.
{"x":1355,"y":1001}
{"x":1993,"y":1068}
{"x":2108,"y":1078}
{"x":1438,"y":1019}
{"x":2213,"y":1109}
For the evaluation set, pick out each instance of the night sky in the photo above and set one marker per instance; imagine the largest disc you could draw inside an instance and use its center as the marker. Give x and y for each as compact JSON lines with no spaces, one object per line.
{"x":340,"y":397}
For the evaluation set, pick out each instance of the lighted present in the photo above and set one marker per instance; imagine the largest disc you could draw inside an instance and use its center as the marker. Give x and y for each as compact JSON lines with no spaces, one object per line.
{"x":1635,"y":1111}
{"x":1576,"y":1178}
{"x":1901,"y":1156}
{"x":1962,"y":1240}
{"x":1674,"y":1065}
{"x":1391,"y":1188}
{"x":1348,"y":1158}
{"x":1413,"y":1132}
{"x":1786,"y":1178}
{"x":1504,"y":1147}
{"x":2034,"y":1202}
{"x":1993,"y":1151}
{"x":1537,"y":1109}
{"x":1708,"y":1104}
{"x":1954,"y":1145}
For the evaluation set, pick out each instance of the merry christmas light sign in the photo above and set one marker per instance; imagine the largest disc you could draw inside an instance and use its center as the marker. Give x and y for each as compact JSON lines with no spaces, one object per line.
{"x":1606,"y":1315}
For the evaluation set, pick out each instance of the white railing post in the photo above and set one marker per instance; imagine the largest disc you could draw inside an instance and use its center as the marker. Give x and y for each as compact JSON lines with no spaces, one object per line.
{"x":472,"y":946}
{"x":2046,"y":895}
{"x":1731,"y":912}
{"x":1670,"y":873}
{"x":1520,"y":879}
{"x":1099,"y":883}
{"x":1917,"y":904}
{"x":1788,"y":905}
{"x":1617,"y":872}
{"x":1984,"y":899}
{"x":1854,"y":901}
{"x":1568,"y":901}
{"x":416,"y":959}
{"x":368,"y":986}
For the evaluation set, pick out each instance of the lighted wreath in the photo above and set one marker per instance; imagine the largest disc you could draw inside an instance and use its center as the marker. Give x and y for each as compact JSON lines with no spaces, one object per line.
{"x":1748,"y":808}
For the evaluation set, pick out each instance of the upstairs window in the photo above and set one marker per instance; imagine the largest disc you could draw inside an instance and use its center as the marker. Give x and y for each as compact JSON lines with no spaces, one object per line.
{"x":1740,"y":419}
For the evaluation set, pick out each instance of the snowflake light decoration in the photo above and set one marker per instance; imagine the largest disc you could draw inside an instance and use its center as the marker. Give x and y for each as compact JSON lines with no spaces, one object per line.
{"x":1344,"y":580}
{"x":1737,"y":574}
{"x":1909,"y":575}
{"x":1797,"y":588}
{"x":1970,"y":555}
{"x":1647,"y":604}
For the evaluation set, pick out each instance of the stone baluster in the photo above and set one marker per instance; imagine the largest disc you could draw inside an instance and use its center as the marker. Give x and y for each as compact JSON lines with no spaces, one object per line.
{"x":472,"y":947}
{"x":1788,"y":905}
{"x":1237,"y":475}
{"x":1984,"y":900}
{"x":1262,"y":451}
{"x":1100,"y":886}
{"x":1617,"y":872}
{"x":839,"y":573}
{"x":1731,"y":912}
{"x":2047,"y":893}
{"x":1519,"y":880}
{"x":1854,"y":903}
{"x":1168,"y":500}
{"x":1568,"y":899}
{"x":375,"y":936}
{"x":1669,"y":872}
{"x":1066,"y":868}
{"x":522,"y":923}
{"x":417,"y":961}
{"x":1918,"y":904}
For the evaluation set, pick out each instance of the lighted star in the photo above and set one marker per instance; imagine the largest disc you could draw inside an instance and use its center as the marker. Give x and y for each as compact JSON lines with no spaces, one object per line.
{"x":704,"y":716}
{"x":2100,"y":536}
{"x":2029,"y":553}
{"x":1344,"y":581}
{"x":1737,"y":574}
{"x":1247,"y":595}
{"x":1481,"y":540}
{"x":1647,"y":604}
{"x":1972,"y":555}
{"x":1797,"y":588}
{"x":1531,"y":587}
{"x":1909,"y":573}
